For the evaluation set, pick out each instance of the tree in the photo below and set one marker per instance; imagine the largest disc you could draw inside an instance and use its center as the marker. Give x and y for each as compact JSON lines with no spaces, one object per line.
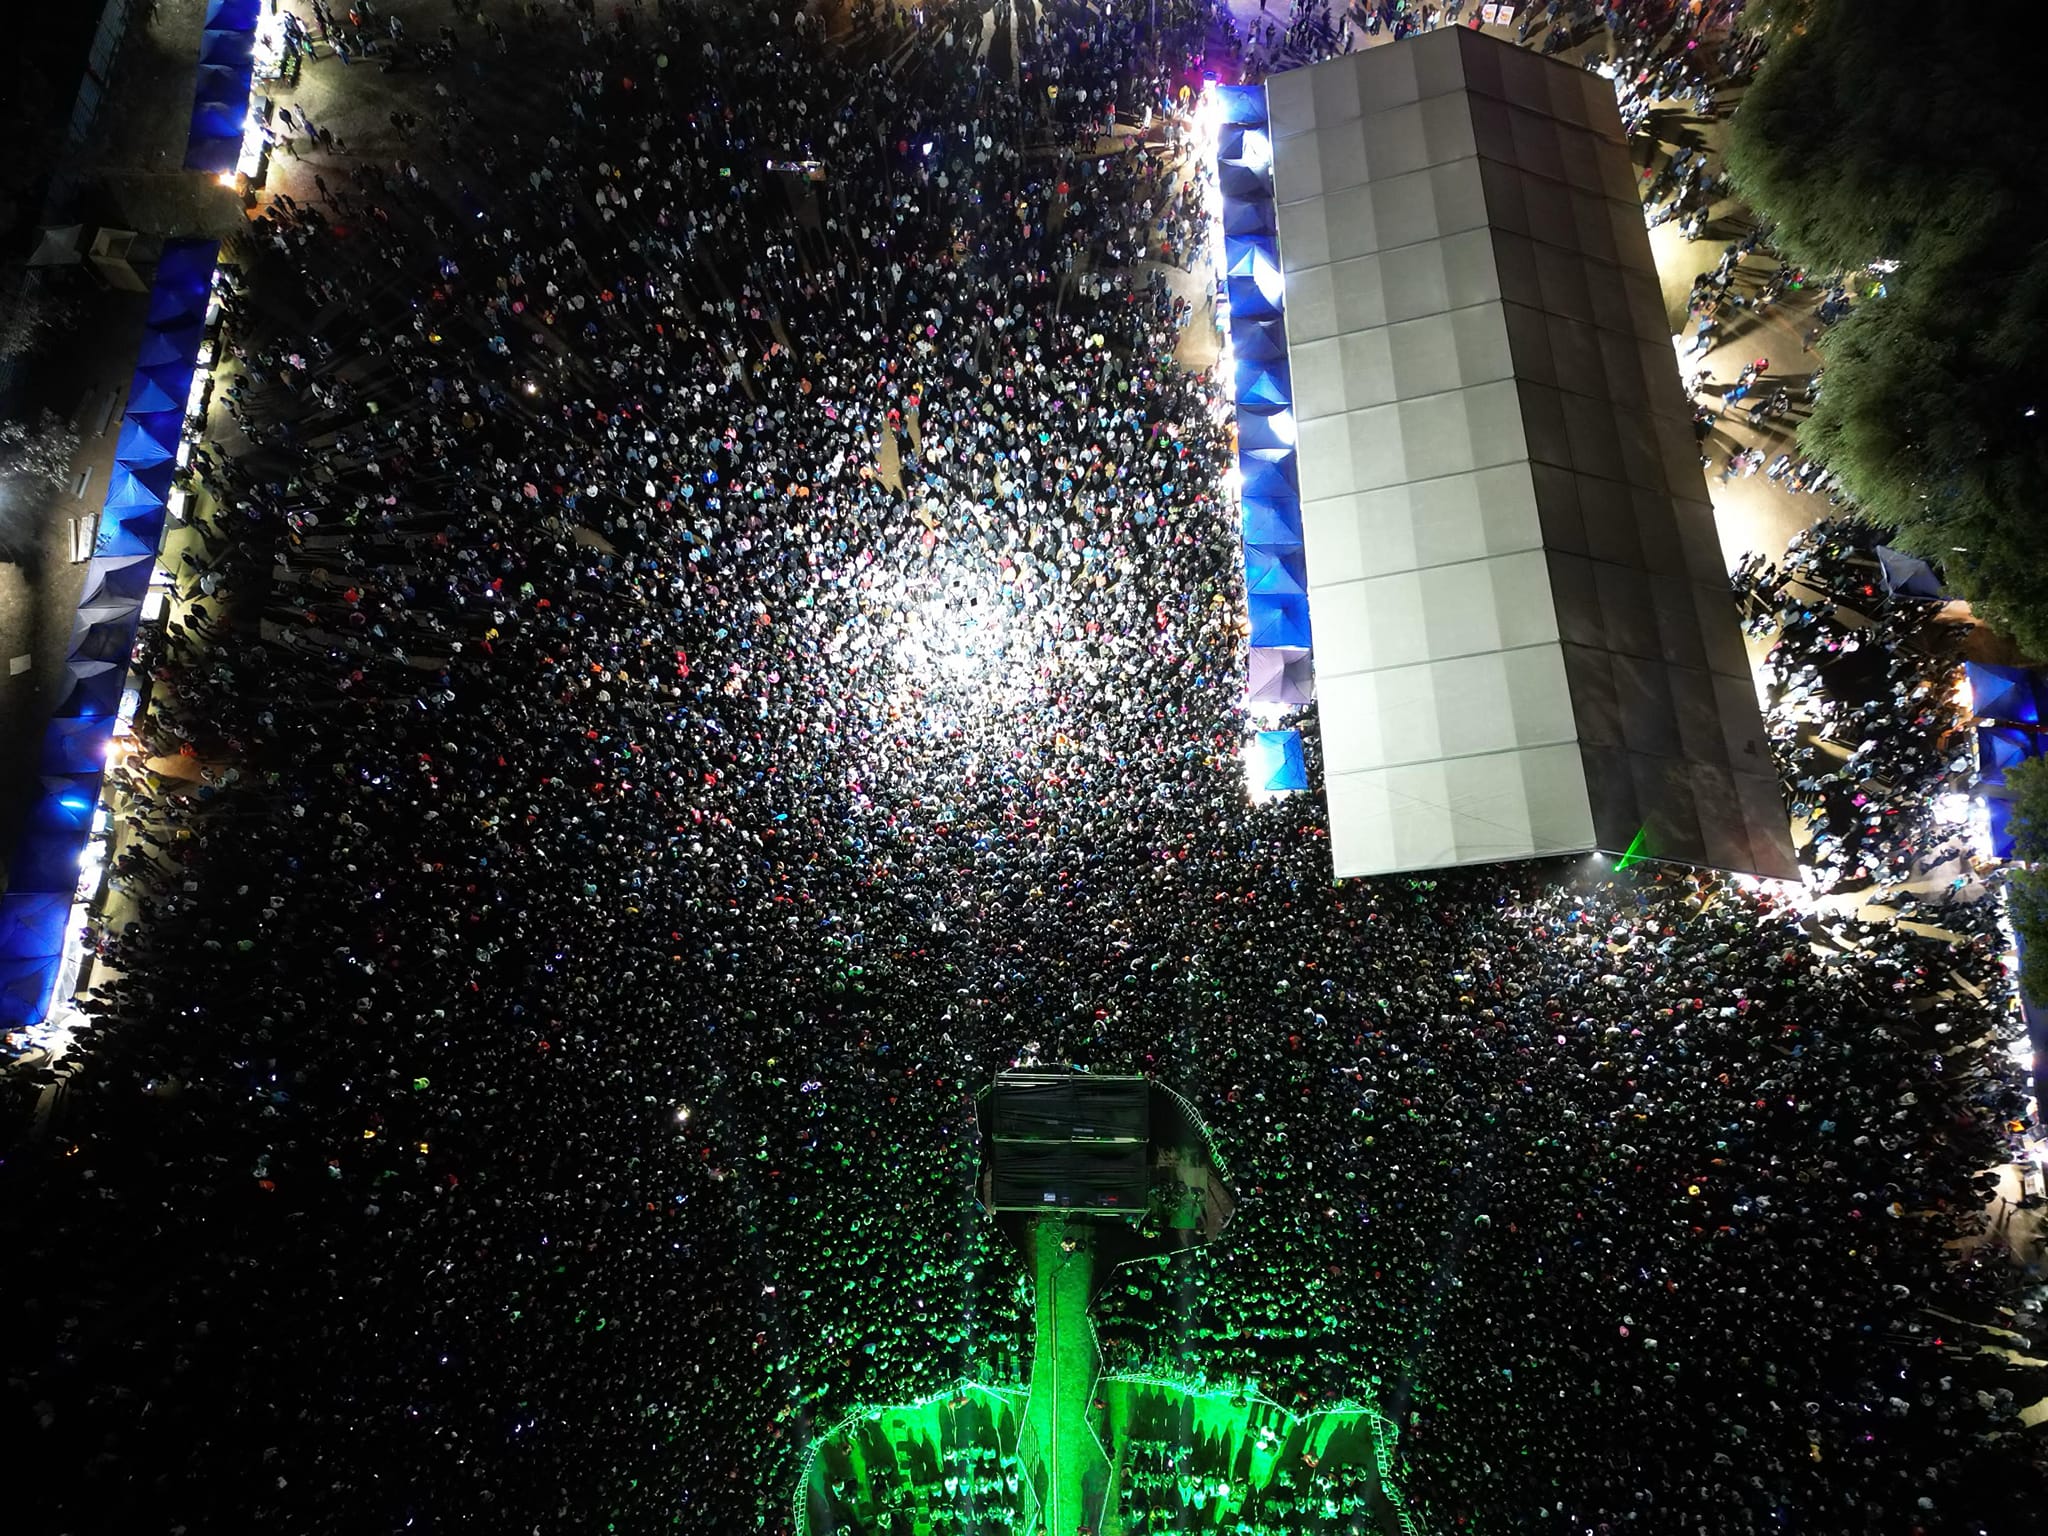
{"x":1935,"y":412}
{"x":1935,"y":419}
{"x":2027,"y":882}
{"x":33,"y":312}
{"x":36,"y":459}
{"x":1868,"y":135}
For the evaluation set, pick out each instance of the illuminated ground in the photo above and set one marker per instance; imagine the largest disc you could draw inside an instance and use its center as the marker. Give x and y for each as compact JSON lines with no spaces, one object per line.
{"x":1083,"y":1452}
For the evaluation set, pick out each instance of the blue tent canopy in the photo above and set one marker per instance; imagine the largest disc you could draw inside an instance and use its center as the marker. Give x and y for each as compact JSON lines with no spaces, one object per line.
{"x":1257,"y":297}
{"x":226,"y":45}
{"x":224,"y":84}
{"x":1245,"y":143}
{"x":1271,"y":522}
{"x":108,"y":640}
{"x":186,"y":267}
{"x":100,"y":610}
{"x":1279,"y":619}
{"x":1243,"y":253}
{"x":92,"y":687}
{"x":66,"y":803}
{"x":219,"y":120}
{"x":1263,"y":383}
{"x":148,"y":396}
{"x":1242,"y":103}
{"x":214,"y":156}
{"x":32,"y":924}
{"x":2000,"y":747}
{"x":1254,"y":258}
{"x":174,"y":378}
{"x":1268,"y":474}
{"x":176,"y":306}
{"x":1243,"y":183}
{"x":26,"y":988}
{"x":1903,"y":574}
{"x":1253,"y":339}
{"x":1280,"y":569}
{"x":1249,"y":216}
{"x":1265,"y":429}
{"x":122,"y":576}
{"x":150,"y":437}
{"x":1276,"y":764}
{"x":139,"y":534}
{"x":233,"y":15}
{"x":139,"y":487}
{"x":172,"y":342}
{"x":77,"y":744}
{"x":2003,"y":693}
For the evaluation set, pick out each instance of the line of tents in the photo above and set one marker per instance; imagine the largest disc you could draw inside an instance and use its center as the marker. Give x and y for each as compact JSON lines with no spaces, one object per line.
{"x":49,"y":861}
{"x":220,"y":100}
{"x":1282,"y":670}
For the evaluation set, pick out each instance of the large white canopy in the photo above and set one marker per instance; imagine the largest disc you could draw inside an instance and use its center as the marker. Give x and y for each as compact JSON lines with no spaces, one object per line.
{"x":1525,"y":642}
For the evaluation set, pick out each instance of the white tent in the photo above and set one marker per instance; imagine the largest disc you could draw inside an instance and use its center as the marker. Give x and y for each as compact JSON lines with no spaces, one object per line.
{"x":57,"y":246}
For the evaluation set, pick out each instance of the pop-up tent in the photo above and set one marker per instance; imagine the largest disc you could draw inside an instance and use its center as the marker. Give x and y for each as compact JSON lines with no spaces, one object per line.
{"x":2001,"y":747}
{"x":1268,"y":474}
{"x":26,"y":986}
{"x":1281,"y":675}
{"x":32,"y":924}
{"x":1905,"y":576}
{"x":1279,"y":619}
{"x":164,"y":387}
{"x":109,"y":578}
{"x":77,"y":744}
{"x":58,"y":245}
{"x":1276,"y":569}
{"x":175,"y":341}
{"x":1274,"y":762}
{"x":1255,"y":340}
{"x":1264,"y":428}
{"x":220,"y":111}
{"x":148,"y":437}
{"x":132,"y":522}
{"x":1271,"y":522}
{"x":92,"y":687}
{"x":2003,"y":693}
{"x":1262,"y":383}
{"x":1249,"y":216}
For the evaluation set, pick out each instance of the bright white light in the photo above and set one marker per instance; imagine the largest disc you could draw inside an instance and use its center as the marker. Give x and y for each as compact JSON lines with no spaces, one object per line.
{"x":2021,"y":1053}
{"x":1257,"y":153}
{"x":1951,"y":810}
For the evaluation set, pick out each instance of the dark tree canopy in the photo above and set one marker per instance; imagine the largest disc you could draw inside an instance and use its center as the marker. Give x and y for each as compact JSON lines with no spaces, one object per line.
{"x":1935,"y":418}
{"x":2029,"y":887}
{"x":1869,"y":135}
{"x":1862,"y":147}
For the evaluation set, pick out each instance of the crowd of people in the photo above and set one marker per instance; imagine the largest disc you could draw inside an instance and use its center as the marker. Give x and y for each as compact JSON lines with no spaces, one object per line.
{"x":1862,"y":710}
{"x":724,"y":630}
